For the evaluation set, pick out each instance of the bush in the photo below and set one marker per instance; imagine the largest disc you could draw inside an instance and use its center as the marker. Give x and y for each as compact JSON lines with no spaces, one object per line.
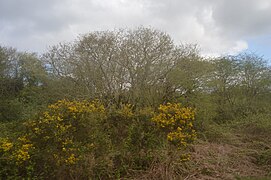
{"x":56,"y":140}
{"x":177,"y":123}
{"x":80,"y":139}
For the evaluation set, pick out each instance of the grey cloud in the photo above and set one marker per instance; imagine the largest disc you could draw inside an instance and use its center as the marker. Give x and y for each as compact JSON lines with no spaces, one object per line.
{"x":243,"y":17}
{"x":33,"y":16}
{"x":218,"y":26}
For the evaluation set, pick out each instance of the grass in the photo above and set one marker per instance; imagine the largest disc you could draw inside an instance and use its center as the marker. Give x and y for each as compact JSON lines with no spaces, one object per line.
{"x":239,"y":149}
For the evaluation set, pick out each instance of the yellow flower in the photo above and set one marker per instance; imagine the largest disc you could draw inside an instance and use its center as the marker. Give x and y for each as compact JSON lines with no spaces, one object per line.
{"x":178,"y":122}
{"x":71,"y":160}
{"x":5,"y":145}
{"x":22,"y":154}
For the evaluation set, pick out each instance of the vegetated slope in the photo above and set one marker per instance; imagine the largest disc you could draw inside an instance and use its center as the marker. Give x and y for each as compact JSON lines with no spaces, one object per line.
{"x":237,"y":150}
{"x":226,"y":161}
{"x":132,"y":73}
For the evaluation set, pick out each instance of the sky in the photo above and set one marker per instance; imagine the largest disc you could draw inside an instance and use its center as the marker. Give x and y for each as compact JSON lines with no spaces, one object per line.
{"x":218,"y":27}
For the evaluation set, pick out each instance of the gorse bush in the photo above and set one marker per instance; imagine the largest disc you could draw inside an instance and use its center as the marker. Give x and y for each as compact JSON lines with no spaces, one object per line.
{"x":177,"y":121}
{"x":16,"y":158}
{"x":58,"y":137}
{"x":81,"y":139}
{"x":122,"y":134}
{"x":65,"y":132}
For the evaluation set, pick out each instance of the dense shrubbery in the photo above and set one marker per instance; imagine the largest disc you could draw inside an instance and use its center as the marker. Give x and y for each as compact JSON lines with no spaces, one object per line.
{"x":55,"y":140}
{"x":80,"y":139}
{"x":177,"y":121}
{"x":122,"y":134}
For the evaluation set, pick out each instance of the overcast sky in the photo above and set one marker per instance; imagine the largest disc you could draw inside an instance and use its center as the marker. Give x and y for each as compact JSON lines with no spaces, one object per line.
{"x":217,"y":26}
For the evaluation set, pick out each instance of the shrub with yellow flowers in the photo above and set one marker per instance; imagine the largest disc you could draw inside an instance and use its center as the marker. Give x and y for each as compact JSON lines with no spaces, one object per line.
{"x":83,"y":140}
{"x":55,"y":141}
{"x":60,"y":132}
{"x":15,"y":157}
{"x":177,"y":122}
{"x":22,"y":154}
{"x":5,"y":145}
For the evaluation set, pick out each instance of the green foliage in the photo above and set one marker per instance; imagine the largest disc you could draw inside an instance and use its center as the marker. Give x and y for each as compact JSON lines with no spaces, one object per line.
{"x":177,"y":122}
{"x":240,"y":83}
{"x":135,"y":139}
{"x":131,"y":72}
{"x":10,"y":110}
{"x":84,"y":139}
{"x":22,"y":81}
{"x":52,"y":142}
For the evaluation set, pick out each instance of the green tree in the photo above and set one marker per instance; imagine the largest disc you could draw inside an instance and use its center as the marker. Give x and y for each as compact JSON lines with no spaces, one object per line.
{"x":117,"y":66}
{"x":255,"y":83}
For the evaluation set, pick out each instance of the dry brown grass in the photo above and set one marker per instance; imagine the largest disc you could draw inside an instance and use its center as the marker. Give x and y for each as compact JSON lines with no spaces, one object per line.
{"x":211,"y":161}
{"x":223,"y":161}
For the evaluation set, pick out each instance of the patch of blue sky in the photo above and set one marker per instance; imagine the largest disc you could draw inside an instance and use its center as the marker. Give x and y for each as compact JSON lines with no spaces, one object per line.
{"x":260,"y":46}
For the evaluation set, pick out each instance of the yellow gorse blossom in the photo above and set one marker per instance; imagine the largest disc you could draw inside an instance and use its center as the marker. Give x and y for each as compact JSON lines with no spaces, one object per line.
{"x":71,"y":159}
{"x":23,"y":139}
{"x":126,"y":111}
{"x":177,"y":121}
{"x":59,"y":125}
{"x":185,"y":157}
{"x":22,"y":154}
{"x":5,"y":144}
{"x":78,"y":106}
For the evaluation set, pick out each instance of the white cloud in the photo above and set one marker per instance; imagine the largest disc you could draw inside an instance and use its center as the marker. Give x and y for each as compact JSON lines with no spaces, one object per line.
{"x":217,"y":26}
